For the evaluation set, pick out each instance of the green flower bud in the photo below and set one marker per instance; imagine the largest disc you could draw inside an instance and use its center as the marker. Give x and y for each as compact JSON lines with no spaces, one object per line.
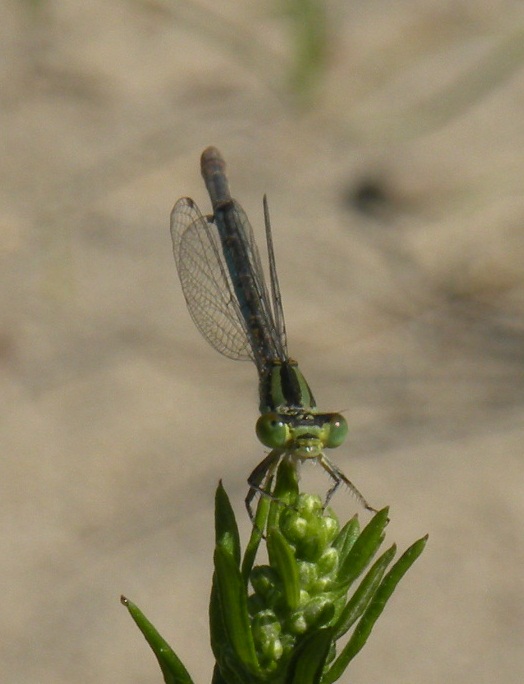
{"x":308,"y":574}
{"x":328,"y":561}
{"x":293,"y":526}
{"x":319,"y":612}
{"x":297,"y":623}
{"x":264,"y":581}
{"x":309,"y":505}
{"x":266,"y":632}
{"x":331,"y":526}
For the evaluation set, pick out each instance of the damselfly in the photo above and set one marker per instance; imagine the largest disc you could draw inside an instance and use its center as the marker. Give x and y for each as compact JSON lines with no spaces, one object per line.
{"x":225,"y":290}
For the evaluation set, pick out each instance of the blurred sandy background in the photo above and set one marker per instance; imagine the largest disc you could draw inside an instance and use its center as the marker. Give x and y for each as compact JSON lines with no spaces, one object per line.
{"x":392,"y":154}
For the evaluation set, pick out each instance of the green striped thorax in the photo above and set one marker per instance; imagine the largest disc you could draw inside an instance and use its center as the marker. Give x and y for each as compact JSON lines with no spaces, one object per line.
{"x":289,"y":420}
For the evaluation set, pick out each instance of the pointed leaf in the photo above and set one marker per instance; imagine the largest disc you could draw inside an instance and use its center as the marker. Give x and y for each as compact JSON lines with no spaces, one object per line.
{"x":364,"y":548}
{"x":346,"y":538}
{"x":286,"y":485}
{"x":282,"y":558}
{"x":363,"y":595}
{"x":373,"y":611}
{"x":172,"y":668}
{"x":220,"y":643}
{"x":230,"y":677}
{"x":217,"y":676}
{"x":226,"y":529}
{"x":256,"y":537}
{"x":232,"y":597}
{"x":310,"y":657}
{"x":285,"y":492}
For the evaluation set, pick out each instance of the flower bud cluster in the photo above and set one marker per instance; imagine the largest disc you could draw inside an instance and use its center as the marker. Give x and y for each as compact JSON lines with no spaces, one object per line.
{"x":297,"y":591}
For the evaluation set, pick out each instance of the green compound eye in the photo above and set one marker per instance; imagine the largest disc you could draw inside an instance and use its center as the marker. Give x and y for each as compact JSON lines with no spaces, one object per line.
{"x":272,"y":431}
{"x":338,"y":430}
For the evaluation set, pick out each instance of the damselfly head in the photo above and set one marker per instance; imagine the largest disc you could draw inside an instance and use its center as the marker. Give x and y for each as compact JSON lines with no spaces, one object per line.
{"x":305,"y":434}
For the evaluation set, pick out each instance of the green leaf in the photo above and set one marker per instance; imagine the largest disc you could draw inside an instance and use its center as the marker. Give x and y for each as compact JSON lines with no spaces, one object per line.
{"x":232,"y":598}
{"x":217,"y":676}
{"x":228,"y":670}
{"x":257,"y":534}
{"x":220,"y":644}
{"x":374,"y":610}
{"x":285,"y":492}
{"x":286,"y":485}
{"x":228,"y":676}
{"x":346,"y":538}
{"x":226,"y":529}
{"x":363,"y":595}
{"x":172,"y":668}
{"x":282,"y":558}
{"x":363,"y":549}
{"x":310,"y":657}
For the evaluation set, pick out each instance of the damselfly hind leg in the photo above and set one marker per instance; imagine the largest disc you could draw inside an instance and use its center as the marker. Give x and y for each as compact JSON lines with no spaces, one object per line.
{"x":259,"y":478}
{"x":338,"y":477}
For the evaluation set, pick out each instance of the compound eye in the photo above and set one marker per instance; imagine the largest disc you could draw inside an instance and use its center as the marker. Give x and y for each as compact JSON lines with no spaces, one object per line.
{"x":272,"y":431}
{"x":338,"y":430}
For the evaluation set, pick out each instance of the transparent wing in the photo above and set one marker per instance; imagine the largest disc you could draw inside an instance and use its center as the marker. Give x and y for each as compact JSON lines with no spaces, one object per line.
{"x":275,"y":341}
{"x":276,"y":297}
{"x":205,"y":281}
